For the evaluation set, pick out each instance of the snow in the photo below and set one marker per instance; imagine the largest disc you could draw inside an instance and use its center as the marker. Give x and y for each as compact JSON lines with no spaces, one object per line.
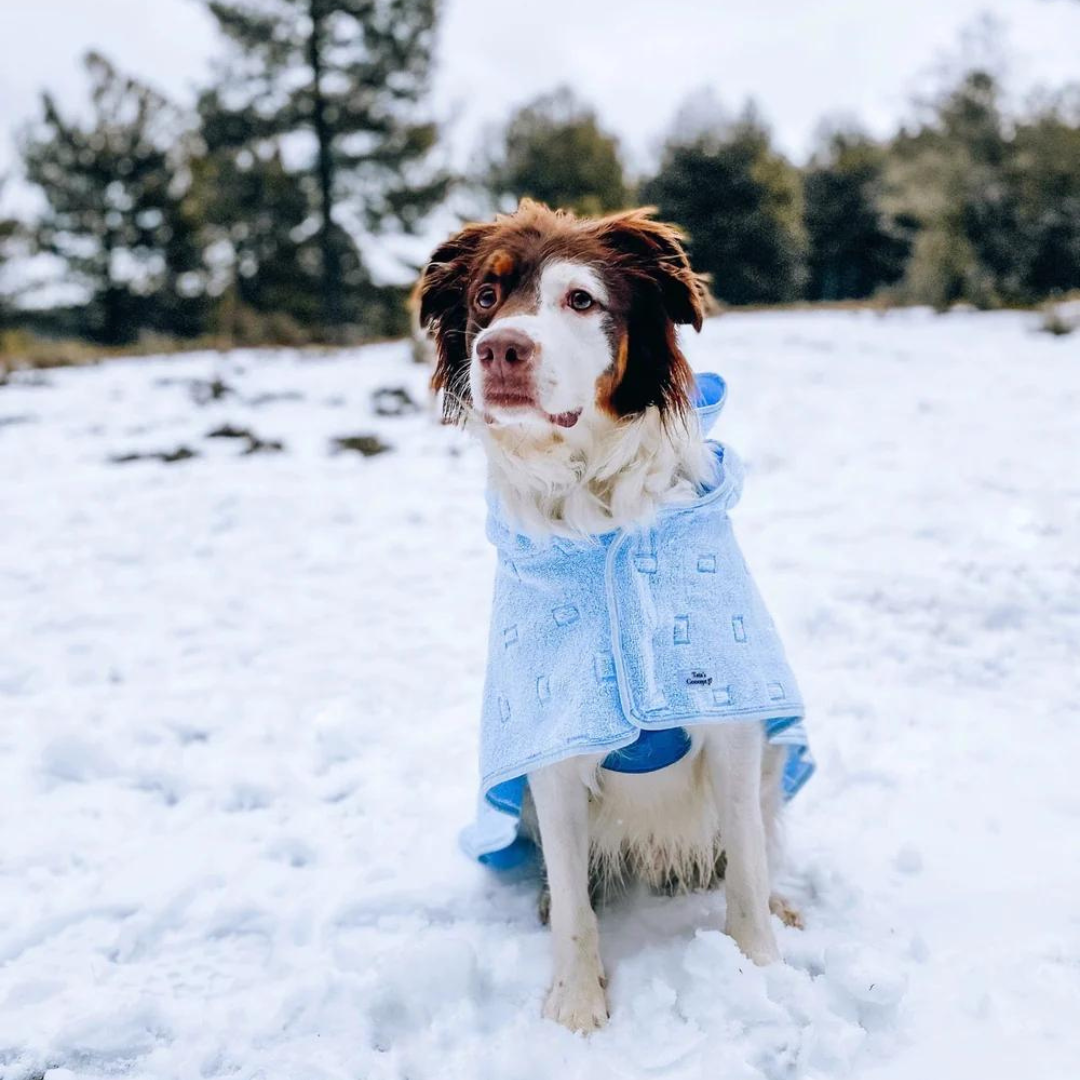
{"x":238,"y":696}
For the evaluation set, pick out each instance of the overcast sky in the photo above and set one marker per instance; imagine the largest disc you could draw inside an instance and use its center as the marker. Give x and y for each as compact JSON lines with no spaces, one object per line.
{"x":800,"y":59}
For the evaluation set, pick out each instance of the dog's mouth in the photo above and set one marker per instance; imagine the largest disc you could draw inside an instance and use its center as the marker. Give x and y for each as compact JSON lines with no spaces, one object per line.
{"x":515,"y":403}
{"x":565,"y":419}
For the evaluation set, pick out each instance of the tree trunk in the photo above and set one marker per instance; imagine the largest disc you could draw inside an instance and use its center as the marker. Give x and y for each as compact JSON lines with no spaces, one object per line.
{"x":331,"y":264}
{"x":112,"y":315}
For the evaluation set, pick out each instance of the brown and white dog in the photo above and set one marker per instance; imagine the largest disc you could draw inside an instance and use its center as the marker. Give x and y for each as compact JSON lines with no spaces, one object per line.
{"x":557,"y":337}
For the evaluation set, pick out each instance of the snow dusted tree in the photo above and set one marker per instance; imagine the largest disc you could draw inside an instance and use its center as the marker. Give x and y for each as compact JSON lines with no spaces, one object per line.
{"x":255,"y":213}
{"x":350,"y":75}
{"x":115,"y":212}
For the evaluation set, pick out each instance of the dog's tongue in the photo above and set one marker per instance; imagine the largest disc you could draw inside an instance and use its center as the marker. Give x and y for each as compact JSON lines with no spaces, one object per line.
{"x":565,"y":419}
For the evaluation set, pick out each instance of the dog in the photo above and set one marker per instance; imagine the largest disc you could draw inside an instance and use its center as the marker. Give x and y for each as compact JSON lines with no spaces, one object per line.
{"x":557,"y":342}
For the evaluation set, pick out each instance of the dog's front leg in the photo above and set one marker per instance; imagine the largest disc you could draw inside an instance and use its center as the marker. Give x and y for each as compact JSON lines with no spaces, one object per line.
{"x":576,"y":999}
{"x":734,"y":753}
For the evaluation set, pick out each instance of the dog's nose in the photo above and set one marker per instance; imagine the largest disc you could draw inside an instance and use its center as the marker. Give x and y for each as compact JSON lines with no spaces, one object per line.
{"x":505,"y":348}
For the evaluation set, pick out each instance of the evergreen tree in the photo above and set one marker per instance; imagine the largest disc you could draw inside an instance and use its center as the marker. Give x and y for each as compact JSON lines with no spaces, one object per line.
{"x":950,"y":176}
{"x":554,"y":150}
{"x":256,"y":213}
{"x":350,"y":74}
{"x":267,"y":257}
{"x":740,"y":203}
{"x":854,"y":248}
{"x":115,"y":211}
{"x":974,"y":127}
{"x":1045,"y":178}
{"x":996,"y":197}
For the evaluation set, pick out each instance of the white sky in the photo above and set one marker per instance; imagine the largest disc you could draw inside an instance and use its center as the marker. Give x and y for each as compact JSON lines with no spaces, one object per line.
{"x":801,"y":59}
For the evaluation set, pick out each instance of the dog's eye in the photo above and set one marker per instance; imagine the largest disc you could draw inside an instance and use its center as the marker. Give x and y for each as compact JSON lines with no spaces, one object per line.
{"x":580,"y":300}
{"x":487,"y":297}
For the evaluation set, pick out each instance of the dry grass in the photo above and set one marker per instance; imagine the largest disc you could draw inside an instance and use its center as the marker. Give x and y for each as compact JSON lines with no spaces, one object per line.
{"x":23,"y":351}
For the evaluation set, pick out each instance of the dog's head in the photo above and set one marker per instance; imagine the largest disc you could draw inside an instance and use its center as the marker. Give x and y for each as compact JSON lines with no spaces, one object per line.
{"x":540,"y":318}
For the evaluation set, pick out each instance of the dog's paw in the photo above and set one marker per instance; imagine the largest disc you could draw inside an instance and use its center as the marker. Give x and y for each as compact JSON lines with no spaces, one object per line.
{"x":786,"y":911}
{"x":578,"y":1003}
{"x":756,"y":943}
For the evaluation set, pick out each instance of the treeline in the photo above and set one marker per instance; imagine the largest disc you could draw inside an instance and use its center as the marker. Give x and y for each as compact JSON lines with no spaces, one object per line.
{"x":966,"y":204}
{"x":253,"y":217}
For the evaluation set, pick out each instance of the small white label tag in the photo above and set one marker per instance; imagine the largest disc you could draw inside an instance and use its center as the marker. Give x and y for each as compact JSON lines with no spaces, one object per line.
{"x":697,"y":677}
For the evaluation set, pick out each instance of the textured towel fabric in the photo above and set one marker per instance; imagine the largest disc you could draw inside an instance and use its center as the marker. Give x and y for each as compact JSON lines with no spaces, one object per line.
{"x":620,"y":642}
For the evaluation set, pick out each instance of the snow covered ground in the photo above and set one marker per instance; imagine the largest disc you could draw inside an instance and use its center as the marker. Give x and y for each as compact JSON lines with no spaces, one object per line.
{"x":238,"y":698}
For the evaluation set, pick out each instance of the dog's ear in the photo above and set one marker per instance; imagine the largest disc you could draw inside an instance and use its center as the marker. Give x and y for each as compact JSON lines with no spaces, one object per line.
{"x":654,"y":250}
{"x":665,"y":292}
{"x":441,"y":302}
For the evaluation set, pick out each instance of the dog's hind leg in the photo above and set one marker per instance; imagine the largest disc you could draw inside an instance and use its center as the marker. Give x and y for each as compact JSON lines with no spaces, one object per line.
{"x":577,"y":999}
{"x":734,"y":754}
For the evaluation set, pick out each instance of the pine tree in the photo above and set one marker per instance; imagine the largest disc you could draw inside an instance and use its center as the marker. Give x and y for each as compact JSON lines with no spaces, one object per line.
{"x":267,"y":260}
{"x":855,"y":248}
{"x":115,"y":214}
{"x":350,"y":74}
{"x":949,"y":176}
{"x":740,"y":203}
{"x":554,"y":150}
{"x":1045,"y":179}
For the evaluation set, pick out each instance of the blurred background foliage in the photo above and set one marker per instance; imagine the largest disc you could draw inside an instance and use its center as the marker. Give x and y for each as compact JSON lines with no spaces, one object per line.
{"x":246,"y":219}
{"x":741,"y":204}
{"x":554,"y":150}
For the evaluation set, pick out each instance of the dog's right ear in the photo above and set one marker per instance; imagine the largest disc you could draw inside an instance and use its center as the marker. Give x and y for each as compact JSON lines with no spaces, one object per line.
{"x":441,"y":301}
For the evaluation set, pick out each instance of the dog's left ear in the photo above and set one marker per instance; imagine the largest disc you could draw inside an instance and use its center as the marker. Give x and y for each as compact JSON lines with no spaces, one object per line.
{"x":654,"y":250}
{"x":441,"y":304}
{"x":651,"y":368}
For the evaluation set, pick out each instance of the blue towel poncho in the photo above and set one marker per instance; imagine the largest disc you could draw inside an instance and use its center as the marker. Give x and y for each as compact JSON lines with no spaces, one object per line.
{"x":618,"y":643}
